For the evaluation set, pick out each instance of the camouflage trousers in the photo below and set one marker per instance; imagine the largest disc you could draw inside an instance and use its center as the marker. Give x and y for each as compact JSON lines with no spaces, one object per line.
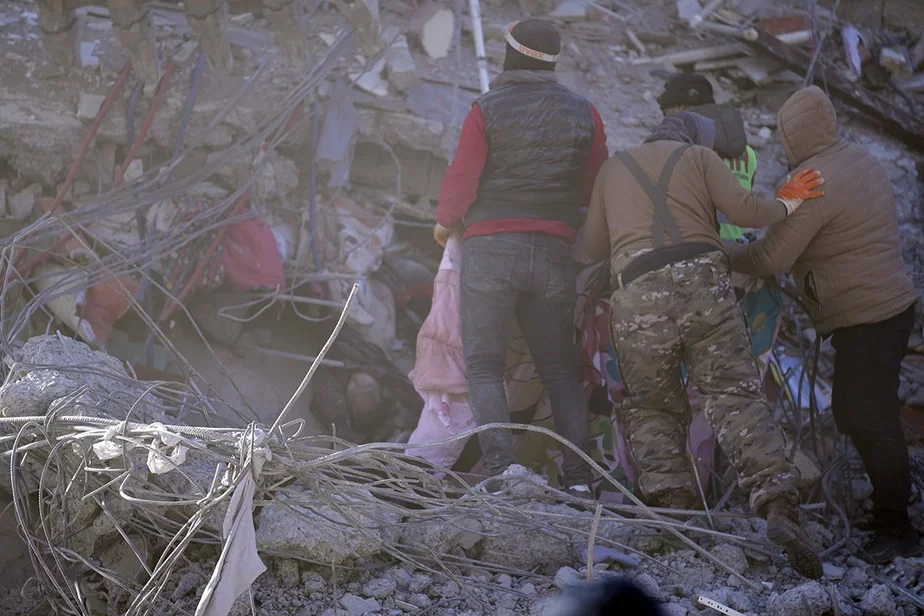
{"x":687,"y":312}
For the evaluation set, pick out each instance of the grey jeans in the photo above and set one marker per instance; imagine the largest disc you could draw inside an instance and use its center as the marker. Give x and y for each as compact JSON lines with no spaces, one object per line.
{"x":530,"y":277}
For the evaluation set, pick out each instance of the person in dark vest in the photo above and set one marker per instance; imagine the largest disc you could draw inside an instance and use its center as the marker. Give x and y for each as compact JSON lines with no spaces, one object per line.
{"x":653,"y":213}
{"x":527,"y":157}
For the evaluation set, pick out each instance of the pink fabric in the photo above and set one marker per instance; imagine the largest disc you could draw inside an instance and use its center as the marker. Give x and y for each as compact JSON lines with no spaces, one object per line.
{"x":251,"y":256}
{"x":439,"y":369}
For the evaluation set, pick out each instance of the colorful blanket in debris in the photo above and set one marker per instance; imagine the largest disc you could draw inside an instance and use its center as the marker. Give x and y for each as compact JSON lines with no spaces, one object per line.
{"x":180,"y":265}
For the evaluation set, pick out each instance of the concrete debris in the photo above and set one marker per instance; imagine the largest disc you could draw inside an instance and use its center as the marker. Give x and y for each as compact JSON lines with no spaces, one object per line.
{"x":896,"y":60}
{"x":331,"y":553}
{"x":87,"y":56}
{"x":852,"y":40}
{"x":380,"y":588}
{"x":567,"y":577}
{"x":88,"y":105}
{"x":878,"y":601}
{"x":357,"y":606}
{"x":400,"y":66}
{"x":807,"y":600}
{"x":733,"y":556}
{"x":371,"y":81}
{"x":21,"y":205}
{"x":570,"y":10}
{"x":687,"y":10}
{"x":290,"y":529}
{"x":435,"y":30}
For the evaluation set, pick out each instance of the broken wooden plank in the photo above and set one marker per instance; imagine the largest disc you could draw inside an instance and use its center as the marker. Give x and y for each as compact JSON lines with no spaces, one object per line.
{"x":697,"y":55}
{"x":635,"y":41}
{"x":656,"y":38}
{"x":895,"y":119}
{"x":715,"y":65}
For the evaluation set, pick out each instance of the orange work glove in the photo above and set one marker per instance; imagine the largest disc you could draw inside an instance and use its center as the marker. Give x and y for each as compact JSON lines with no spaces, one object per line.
{"x":799,"y":188}
{"x":441,"y":234}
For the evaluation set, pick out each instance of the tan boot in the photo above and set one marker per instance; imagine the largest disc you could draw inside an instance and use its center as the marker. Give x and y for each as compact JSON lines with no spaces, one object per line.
{"x":783,"y":529}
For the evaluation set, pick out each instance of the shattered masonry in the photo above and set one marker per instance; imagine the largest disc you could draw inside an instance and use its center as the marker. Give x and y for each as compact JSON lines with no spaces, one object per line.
{"x":335,"y":125}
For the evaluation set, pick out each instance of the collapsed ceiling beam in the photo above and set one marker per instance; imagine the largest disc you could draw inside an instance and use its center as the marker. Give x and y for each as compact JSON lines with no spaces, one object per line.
{"x":899,"y":122}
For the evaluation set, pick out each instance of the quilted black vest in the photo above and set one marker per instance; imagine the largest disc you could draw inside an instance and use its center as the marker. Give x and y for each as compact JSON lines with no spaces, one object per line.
{"x":539,"y":134}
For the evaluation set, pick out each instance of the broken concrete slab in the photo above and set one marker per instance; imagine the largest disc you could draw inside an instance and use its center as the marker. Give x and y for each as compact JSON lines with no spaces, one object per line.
{"x":324,"y":534}
{"x":371,"y":81}
{"x":570,"y":10}
{"x":208,"y":20}
{"x":400,"y":68}
{"x":338,"y":132}
{"x":688,"y":9}
{"x":285,"y":19}
{"x":409,"y":130}
{"x":435,"y":30}
{"x":87,"y":57}
{"x":363,"y":16}
{"x":88,"y":105}
{"x":132,"y":24}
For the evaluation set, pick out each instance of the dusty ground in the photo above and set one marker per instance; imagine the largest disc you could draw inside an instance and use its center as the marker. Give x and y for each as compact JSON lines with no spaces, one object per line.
{"x":39,"y":134}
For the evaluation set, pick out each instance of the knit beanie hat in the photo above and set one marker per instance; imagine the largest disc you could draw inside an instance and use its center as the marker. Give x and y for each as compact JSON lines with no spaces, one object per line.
{"x":536,"y":35}
{"x":687,"y":90}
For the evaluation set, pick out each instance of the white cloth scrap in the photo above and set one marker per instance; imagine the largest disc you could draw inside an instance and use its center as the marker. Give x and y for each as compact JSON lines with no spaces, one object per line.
{"x":239,"y":564}
{"x":167,"y":450}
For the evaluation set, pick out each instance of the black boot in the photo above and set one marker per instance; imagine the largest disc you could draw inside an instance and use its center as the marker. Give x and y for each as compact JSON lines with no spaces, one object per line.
{"x":888,"y":543}
{"x":784,"y":530}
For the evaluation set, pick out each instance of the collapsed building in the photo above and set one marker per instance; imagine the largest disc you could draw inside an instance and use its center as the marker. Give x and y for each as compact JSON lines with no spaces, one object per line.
{"x":192,"y":192}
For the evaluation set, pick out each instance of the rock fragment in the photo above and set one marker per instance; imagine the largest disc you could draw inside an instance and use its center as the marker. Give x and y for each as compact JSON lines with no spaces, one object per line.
{"x":88,"y":105}
{"x":380,"y":588}
{"x":400,"y":68}
{"x":358,"y":606}
{"x":570,"y":10}
{"x":878,"y":601}
{"x":733,"y":556}
{"x":567,"y":577}
{"x":437,"y":24}
{"x":806,"y":600}
{"x":22,"y":204}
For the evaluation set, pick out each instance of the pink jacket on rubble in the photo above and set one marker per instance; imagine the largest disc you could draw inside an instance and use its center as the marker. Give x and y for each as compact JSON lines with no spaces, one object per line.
{"x":439,"y":369}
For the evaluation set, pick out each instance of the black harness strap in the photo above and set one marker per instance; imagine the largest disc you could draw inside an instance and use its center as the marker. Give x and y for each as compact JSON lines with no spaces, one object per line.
{"x":658,"y":194}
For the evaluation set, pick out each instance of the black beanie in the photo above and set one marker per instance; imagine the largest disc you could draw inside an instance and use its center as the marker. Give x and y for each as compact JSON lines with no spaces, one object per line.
{"x":687,"y":90}
{"x":536,"y":34}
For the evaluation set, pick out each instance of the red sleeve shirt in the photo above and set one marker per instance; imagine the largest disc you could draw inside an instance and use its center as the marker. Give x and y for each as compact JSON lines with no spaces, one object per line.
{"x":460,"y":185}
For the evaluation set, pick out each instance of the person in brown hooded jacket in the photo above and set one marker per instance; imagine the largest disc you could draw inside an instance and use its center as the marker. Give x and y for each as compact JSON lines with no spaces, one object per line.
{"x":845,"y":254}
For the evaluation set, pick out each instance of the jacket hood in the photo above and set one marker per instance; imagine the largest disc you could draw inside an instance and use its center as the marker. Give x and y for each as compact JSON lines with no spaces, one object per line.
{"x":807,"y":124}
{"x":731,"y":138}
{"x":685,"y":127}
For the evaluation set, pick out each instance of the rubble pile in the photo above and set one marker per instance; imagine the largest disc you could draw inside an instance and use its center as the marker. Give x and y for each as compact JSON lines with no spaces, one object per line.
{"x":334,"y":542}
{"x":123,"y":509}
{"x":204,"y":215}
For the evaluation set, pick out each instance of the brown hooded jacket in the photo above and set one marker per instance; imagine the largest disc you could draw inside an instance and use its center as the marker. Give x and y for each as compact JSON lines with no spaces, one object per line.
{"x":843,"y":248}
